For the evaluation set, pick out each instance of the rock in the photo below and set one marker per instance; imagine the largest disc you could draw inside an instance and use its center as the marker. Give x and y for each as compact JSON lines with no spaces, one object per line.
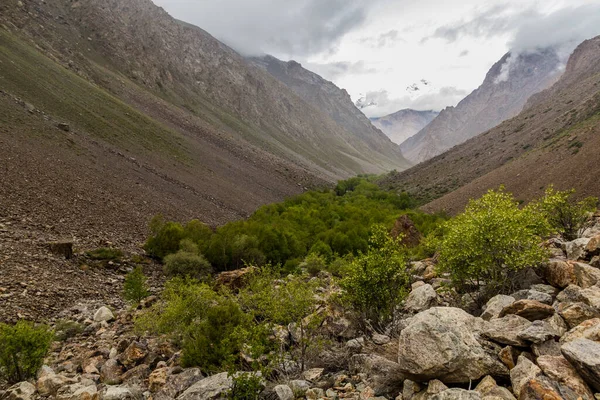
{"x":157,"y":379}
{"x":595,"y":262}
{"x":539,"y":388}
{"x":121,"y":393}
{"x":49,"y":383}
{"x":63,"y":126}
{"x":591,"y":297}
{"x":284,"y":392}
{"x":589,"y":329}
{"x":531,"y":294}
{"x":558,"y":273}
{"x":442,"y":343}
{"x":136,"y":375}
{"x":315,"y":394}
{"x":20,"y":391}
{"x":509,"y":356}
{"x":495,"y":305}
{"x":488,"y":388}
{"x":584,"y":355}
{"x":593,"y":246}
{"x":434,"y":387}
{"x":133,"y":354}
{"x":558,"y":324}
{"x":457,"y":394}
{"x":63,"y":249}
{"x":211,"y":388}
{"x":381,"y":374}
{"x":111,"y":373}
{"x":570,"y":294}
{"x":78,"y":391}
{"x":505,"y":330}
{"x":548,"y":348}
{"x":103,"y":315}
{"x":409,"y":389}
{"x":576,"y":313}
{"x":406,"y":229}
{"x":313,"y":374}
{"x":576,"y":249}
{"x":177,"y":384}
{"x":560,"y":370}
{"x":235,"y":279}
{"x":299,"y":386}
{"x":586,"y":276}
{"x":530,"y":309}
{"x":522,"y":373}
{"x":421,"y":299}
{"x":538,"y":332}
{"x":355,"y":344}
{"x":380,"y":339}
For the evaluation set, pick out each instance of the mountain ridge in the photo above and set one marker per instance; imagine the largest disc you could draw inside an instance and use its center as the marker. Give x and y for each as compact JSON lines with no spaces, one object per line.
{"x":403,"y":124}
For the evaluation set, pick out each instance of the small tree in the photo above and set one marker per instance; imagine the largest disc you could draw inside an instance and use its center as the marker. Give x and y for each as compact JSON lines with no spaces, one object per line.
{"x":314,"y":263}
{"x":184,"y":263}
{"x":490,"y":243}
{"x":22,"y":350}
{"x":378,"y":280}
{"x":135,"y":288}
{"x":565,"y":215}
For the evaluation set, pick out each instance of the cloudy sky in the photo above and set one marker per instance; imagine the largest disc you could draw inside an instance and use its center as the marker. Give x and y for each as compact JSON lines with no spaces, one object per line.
{"x":394,"y":54}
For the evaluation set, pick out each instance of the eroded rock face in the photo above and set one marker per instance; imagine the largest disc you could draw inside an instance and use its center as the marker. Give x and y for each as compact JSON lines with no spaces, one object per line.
{"x":584,"y":355}
{"x":444,"y":343}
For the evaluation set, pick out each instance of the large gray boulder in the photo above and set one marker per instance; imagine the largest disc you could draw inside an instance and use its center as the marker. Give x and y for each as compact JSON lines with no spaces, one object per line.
{"x":385,"y":377}
{"x":445,"y":343}
{"x":211,"y":388}
{"x":495,"y":305}
{"x":584,"y":355}
{"x":576,"y":249}
{"x":505,"y":330}
{"x":420,"y":299}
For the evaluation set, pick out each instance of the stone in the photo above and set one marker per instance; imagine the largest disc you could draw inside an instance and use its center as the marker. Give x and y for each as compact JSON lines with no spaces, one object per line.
{"x":531,"y":294}
{"x":489,"y":388}
{"x":442,"y":343}
{"x":509,"y":356}
{"x":133,"y":354}
{"x":539,"y":388}
{"x":121,"y":393}
{"x":63,"y":126}
{"x":20,"y":391}
{"x":103,"y":315}
{"x":313,"y":374}
{"x":584,"y":355}
{"x":570,"y":294}
{"x":548,"y":289}
{"x":576,"y":249}
{"x":111,"y":373}
{"x":505,"y":330}
{"x":211,"y":388}
{"x":421,"y":299}
{"x":591,"y":297}
{"x":355,"y":344}
{"x":299,"y":386}
{"x":560,"y":370}
{"x":63,"y":249}
{"x":495,"y":305}
{"x":284,"y":392}
{"x":235,"y":279}
{"x":593,"y":246}
{"x":157,"y":379}
{"x":78,"y":391}
{"x":315,"y":394}
{"x":381,"y":339}
{"x":457,"y":394}
{"x":595,"y":262}
{"x":177,"y":384}
{"x":589,"y":329}
{"x":381,"y":374}
{"x":538,"y":332}
{"x":49,"y":383}
{"x":586,"y":276}
{"x":409,"y":389}
{"x":522,"y":373}
{"x":530,"y":309}
{"x":136,"y":375}
{"x":558,"y":324}
{"x":548,"y":348}
{"x":576,"y":313}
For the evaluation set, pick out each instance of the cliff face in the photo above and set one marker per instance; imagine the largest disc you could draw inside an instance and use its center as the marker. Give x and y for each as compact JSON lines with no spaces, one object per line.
{"x":507,"y":87}
{"x":403,"y":124}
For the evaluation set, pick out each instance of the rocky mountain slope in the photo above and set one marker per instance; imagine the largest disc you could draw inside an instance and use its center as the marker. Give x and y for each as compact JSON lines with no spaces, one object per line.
{"x":325,"y":96}
{"x":554,"y":140}
{"x":502,"y":95}
{"x":114,"y":111}
{"x":404,"y":124}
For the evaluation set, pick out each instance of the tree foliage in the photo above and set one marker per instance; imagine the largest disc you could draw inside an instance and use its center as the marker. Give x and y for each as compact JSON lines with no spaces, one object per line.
{"x":135,"y":288}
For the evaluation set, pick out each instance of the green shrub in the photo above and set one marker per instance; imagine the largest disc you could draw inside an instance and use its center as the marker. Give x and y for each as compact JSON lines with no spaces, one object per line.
{"x":339,"y":266}
{"x":22,"y":350}
{"x":377,"y":281}
{"x":565,"y":215}
{"x":105,"y":254}
{"x":135,"y":288}
{"x":65,"y":329}
{"x":245,"y":386}
{"x":314,"y":263}
{"x":490,"y":243}
{"x":183,"y":263}
{"x":165,"y":239}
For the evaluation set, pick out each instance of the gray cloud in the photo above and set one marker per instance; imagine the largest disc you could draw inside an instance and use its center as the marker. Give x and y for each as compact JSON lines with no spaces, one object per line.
{"x":383,"y":40}
{"x":333,"y":70}
{"x":284,"y":28}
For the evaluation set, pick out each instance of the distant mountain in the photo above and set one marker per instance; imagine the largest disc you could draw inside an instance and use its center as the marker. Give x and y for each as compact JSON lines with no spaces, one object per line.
{"x":504,"y":92}
{"x":554,"y":140}
{"x":326,"y":97}
{"x":403,"y":124}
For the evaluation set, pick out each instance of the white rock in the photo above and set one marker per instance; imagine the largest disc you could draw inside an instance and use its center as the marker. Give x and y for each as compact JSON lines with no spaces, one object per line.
{"x":103,"y":315}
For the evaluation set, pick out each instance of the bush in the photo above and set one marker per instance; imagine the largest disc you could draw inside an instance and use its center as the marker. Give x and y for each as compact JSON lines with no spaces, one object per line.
{"x":313,"y":263}
{"x":184,"y":263}
{"x":377,"y":281}
{"x":165,"y":239}
{"x":246,"y":386}
{"x":105,"y":254}
{"x":66,"y":329}
{"x":490,"y":243}
{"x":135,"y":288}
{"x":22,"y":350}
{"x":564,"y":215}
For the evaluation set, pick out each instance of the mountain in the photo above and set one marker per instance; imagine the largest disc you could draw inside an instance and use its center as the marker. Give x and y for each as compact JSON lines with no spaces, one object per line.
{"x":403,"y":124}
{"x":325,"y":96}
{"x":554,"y":140}
{"x":113,"y":111}
{"x":504,"y":92}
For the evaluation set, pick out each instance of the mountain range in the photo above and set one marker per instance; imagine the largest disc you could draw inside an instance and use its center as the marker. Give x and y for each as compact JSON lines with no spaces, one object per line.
{"x":404,"y":124}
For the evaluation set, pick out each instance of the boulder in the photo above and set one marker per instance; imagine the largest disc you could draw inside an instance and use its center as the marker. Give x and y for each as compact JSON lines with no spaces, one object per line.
{"x":589,"y":329}
{"x":530,"y":309}
{"x":175,"y":383}
{"x":495,"y":305}
{"x":561,"y":371}
{"x":548,"y":348}
{"x":585,"y":275}
{"x":584,"y":355}
{"x":488,"y":388}
{"x":433,"y":387}
{"x":444,"y":343}
{"x":593,"y":246}
{"x":457,"y":394}
{"x":133,"y":354}
{"x":576,"y":249}
{"x":538,"y":332}
{"x":591,"y":297}
{"x":384,"y":376}
{"x":410,"y":389}
{"x":541,"y":388}
{"x":111,"y":373}
{"x":78,"y":391}
{"x":315,"y":394}
{"x":522,"y":373}
{"x":505,"y":330}
{"x":235,"y":279}
{"x":570,"y":294}
{"x":509,"y":356}
{"x":211,"y":388}
{"x":558,"y":324}
{"x":558,"y":273}
{"x":420,"y":299}
{"x":103,"y":315}
{"x":284,"y":392}
{"x":531,"y":294}
{"x":49,"y":383}
{"x":121,"y":393}
{"x":576,"y":313}
{"x":313,"y":374}
{"x":299,"y":386}
{"x":20,"y":391}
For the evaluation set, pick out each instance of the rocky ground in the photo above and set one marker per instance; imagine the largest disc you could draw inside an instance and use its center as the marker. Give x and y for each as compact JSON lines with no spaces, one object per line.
{"x":542,"y":342}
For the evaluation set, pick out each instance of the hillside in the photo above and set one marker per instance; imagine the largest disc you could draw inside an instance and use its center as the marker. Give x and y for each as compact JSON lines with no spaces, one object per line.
{"x":403,"y":124}
{"x":554,"y":140}
{"x":161,"y":117}
{"x":502,"y":95}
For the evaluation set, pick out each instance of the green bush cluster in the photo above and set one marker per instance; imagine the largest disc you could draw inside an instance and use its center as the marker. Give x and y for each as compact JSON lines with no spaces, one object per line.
{"x":22,"y":350}
{"x":135,"y":288}
{"x":105,"y":254}
{"x":331,"y":223}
